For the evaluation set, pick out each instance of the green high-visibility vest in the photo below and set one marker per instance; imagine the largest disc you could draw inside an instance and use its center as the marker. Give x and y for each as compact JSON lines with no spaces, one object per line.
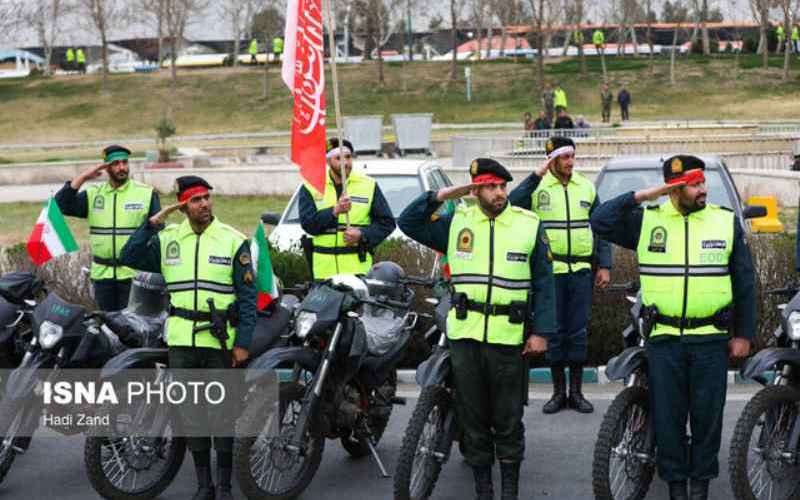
{"x":277,"y":45}
{"x":598,"y":38}
{"x":564,"y":212}
{"x":253,"y":47}
{"x":114,"y":215}
{"x":578,"y":37}
{"x":795,"y":33}
{"x":560,"y":98}
{"x":683,"y":264}
{"x":331,"y":254}
{"x":780,"y":33}
{"x":81,"y":56}
{"x":490,"y":262}
{"x":198,"y":267}
{"x":70,"y":55}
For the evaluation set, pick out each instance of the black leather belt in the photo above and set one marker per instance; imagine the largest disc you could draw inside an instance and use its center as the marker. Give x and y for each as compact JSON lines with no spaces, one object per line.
{"x":572,"y":259}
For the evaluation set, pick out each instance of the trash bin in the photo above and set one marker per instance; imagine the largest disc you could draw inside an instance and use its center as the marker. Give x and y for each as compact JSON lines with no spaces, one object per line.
{"x":413,"y":132}
{"x":365,"y":132}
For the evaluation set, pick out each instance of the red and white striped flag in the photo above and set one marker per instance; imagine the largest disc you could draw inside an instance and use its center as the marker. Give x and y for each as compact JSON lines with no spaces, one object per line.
{"x":51,"y":236}
{"x":303,"y":72}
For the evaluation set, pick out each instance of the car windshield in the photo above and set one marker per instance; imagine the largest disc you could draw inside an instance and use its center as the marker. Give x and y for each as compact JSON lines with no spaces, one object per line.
{"x":399,"y":191}
{"x":615,"y":182}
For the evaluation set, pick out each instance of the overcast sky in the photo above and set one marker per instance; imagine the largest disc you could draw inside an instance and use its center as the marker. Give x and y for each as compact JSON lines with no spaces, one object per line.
{"x":212,"y":25}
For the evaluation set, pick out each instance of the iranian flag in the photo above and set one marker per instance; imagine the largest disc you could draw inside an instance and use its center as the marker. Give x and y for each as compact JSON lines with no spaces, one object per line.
{"x":303,"y":71}
{"x":51,"y":236}
{"x":266,"y":284}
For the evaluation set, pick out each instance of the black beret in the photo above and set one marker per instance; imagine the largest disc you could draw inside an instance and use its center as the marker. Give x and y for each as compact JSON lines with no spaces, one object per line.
{"x":677,"y":165}
{"x":114,"y":148}
{"x":333,"y":143}
{"x":189,"y":181}
{"x":557,"y":142}
{"x":482,"y":166}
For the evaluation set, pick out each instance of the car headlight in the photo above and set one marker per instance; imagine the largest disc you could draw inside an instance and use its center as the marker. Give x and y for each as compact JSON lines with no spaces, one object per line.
{"x":49,"y":334}
{"x":305,"y":321}
{"x":793,"y":325}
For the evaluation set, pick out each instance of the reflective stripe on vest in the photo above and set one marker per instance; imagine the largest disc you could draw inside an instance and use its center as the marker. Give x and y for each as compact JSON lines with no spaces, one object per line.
{"x":490,"y":262}
{"x":564,"y":213}
{"x":683,"y":264}
{"x":197,"y":268}
{"x":114,"y":215}
{"x":329,"y":258}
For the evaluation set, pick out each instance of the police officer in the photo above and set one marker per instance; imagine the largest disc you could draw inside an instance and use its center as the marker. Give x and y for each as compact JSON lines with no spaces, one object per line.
{"x":337,"y":248}
{"x":560,"y":99}
{"x":606,"y":98}
{"x":201,"y":258}
{"x":698,"y":288}
{"x":114,"y":210}
{"x":564,"y":199}
{"x":780,"y":33}
{"x":81,"y":58}
{"x":503,"y":310}
{"x":69,"y":65}
{"x":253,"y":49}
{"x":277,"y":48}
{"x":599,"y":41}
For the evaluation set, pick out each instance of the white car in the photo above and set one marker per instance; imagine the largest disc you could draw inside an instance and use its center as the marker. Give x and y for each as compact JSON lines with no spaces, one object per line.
{"x":401,"y":181}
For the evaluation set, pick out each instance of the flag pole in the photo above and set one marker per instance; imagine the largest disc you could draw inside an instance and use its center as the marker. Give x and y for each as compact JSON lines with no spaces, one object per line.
{"x":336,"y":103}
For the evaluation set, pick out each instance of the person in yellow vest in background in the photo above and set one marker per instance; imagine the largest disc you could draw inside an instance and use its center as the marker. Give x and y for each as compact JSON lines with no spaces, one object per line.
{"x":559,"y":98}
{"x":780,"y":34}
{"x":201,"y":258}
{"x":338,"y":249}
{"x":277,"y":48}
{"x":114,"y":210}
{"x":796,"y":39}
{"x":599,"y":41}
{"x":699,"y":308}
{"x":253,"y":51}
{"x":577,"y":36}
{"x":503,"y":310}
{"x":564,"y":199}
{"x":81,"y":60}
{"x":69,"y":60}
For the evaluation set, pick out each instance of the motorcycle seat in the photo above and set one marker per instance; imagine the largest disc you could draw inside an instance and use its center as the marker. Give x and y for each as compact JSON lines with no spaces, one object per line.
{"x":269,"y":330}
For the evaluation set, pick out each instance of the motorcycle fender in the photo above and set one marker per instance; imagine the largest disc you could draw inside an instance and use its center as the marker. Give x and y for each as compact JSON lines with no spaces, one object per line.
{"x":308,"y":359}
{"x":627,"y":362}
{"x":22,"y":381}
{"x":435,"y":369}
{"x":766,"y":359}
{"x":144,"y":357}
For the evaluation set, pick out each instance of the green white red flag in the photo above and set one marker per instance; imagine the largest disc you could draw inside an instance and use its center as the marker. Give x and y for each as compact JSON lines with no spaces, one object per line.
{"x":51,"y":236}
{"x":266,"y":284}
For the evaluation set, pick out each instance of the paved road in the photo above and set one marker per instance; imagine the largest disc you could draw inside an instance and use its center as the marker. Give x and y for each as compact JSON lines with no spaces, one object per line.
{"x":558,"y":463}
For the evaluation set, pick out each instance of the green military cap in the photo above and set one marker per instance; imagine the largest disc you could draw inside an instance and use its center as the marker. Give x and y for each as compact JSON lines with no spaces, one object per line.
{"x":114,"y":152}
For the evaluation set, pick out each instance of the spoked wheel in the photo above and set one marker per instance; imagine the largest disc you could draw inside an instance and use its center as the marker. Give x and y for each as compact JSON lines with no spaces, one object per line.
{"x":131,"y":467}
{"x":624,"y":455}
{"x":269,"y":466}
{"x":11,"y":418}
{"x":761,"y":464}
{"x":422,"y":455}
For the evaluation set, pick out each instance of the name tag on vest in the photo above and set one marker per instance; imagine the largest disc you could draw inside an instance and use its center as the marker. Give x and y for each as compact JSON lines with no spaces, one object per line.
{"x":714,"y":244}
{"x":223,"y":261}
{"x":132,"y":207}
{"x":359,"y":199}
{"x":516,"y":257}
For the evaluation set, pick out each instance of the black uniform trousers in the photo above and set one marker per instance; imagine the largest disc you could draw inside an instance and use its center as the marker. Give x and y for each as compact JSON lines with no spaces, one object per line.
{"x":491,"y":390}
{"x":688,"y":379}
{"x":111,"y":295}
{"x":197,"y":419}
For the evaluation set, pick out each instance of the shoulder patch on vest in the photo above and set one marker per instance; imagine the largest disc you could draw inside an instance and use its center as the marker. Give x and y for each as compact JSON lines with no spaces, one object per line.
{"x":173,"y":254}
{"x":99,"y":202}
{"x":466,"y":240}
{"x":658,"y":240}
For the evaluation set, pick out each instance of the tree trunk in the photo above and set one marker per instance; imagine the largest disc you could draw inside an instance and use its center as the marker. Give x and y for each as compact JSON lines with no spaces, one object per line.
{"x":540,"y":62}
{"x":265,"y":81}
{"x":236,"y":47}
{"x":787,"y":52}
{"x":650,"y":45}
{"x":706,"y":39}
{"x":503,"y":39}
{"x":582,"y":55}
{"x":489,"y":37}
{"x":173,"y":57}
{"x":672,"y":55}
{"x":381,"y":78}
{"x":104,"y":40}
{"x":765,"y":45}
{"x":454,"y":41}
{"x":635,"y":41}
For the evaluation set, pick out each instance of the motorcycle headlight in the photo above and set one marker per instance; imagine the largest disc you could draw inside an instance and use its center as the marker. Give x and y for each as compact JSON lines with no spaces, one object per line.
{"x":305,"y":321}
{"x":793,"y":324}
{"x":49,"y":334}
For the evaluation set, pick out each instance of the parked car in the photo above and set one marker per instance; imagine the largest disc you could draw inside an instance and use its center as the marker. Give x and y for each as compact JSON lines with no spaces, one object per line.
{"x":400,"y":181}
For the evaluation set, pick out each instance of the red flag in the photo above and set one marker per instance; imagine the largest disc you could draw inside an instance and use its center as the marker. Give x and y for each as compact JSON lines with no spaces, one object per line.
{"x":303,"y":72}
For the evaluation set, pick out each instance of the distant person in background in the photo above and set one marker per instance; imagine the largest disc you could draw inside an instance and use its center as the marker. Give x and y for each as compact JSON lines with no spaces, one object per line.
{"x":548,"y":102}
{"x":69,"y":60}
{"x":529,"y":124}
{"x":560,"y":98}
{"x":81,"y":58}
{"x":796,"y":153}
{"x":606,"y":98}
{"x":795,"y":39}
{"x":599,"y":40}
{"x":542,"y":122}
{"x":624,"y":100}
{"x":277,"y":48}
{"x":563,"y":121}
{"x":780,"y":34}
{"x":253,"y":51}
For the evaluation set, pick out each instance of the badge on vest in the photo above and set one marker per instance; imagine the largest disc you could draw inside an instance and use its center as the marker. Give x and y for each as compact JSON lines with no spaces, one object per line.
{"x":359,"y":199}
{"x":173,"y":256}
{"x":466,"y":243}
{"x":133,"y":207}
{"x":223,"y":261}
{"x":658,"y":240}
{"x":543,"y":201}
{"x":713,"y":244}
{"x":99,"y":203}
{"x":516,"y":257}
{"x":586,"y":204}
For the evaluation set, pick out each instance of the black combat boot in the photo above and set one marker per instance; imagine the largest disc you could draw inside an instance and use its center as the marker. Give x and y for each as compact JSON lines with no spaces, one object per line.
{"x":205,"y":485}
{"x":559,"y":399}
{"x":576,"y":399}
{"x":509,"y":480}
{"x":224,"y":484}
{"x":483,"y":483}
{"x":677,"y":490}
{"x":698,"y":489}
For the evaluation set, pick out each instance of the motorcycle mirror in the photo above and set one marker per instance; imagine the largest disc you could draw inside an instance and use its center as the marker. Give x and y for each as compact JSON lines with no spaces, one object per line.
{"x":432,"y":301}
{"x":351,"y":314}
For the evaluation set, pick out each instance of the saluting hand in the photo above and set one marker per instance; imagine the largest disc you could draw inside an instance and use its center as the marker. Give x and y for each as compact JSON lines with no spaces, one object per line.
{"x":163,"y":214}
{"x":92,"y":173}
{"x":454,"y":192}
{"x":541,"y":170}
{"x":654,"y":193}
{"x":534,"y":345}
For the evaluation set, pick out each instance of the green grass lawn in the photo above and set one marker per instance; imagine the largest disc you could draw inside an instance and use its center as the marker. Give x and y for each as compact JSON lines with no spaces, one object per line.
{"x":229,"y":100}
{"x":242,"y":212}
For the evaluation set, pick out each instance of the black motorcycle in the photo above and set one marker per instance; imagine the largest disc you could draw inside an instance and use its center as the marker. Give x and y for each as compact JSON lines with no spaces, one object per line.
{"x":19,"y":294}
{"x":433,"y":426}
{"x":624,"y":454}
{"x":348,"y":337}
{"x":764,"y":458}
